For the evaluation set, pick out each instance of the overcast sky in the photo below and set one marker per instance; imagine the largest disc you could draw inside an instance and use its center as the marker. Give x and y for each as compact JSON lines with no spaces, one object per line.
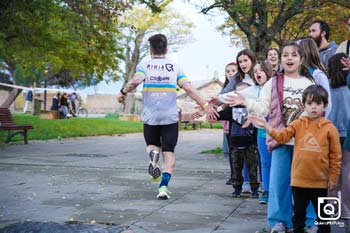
{"x":209,"y":52}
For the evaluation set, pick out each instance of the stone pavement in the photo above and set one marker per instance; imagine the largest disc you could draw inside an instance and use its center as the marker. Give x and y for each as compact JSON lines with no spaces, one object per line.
{"x":102,"y":183}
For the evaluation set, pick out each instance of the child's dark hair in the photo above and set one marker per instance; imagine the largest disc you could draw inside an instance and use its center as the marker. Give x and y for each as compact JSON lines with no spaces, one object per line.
{"x":268,"y":50}
{"x":303,"y":70}
{"x":315,"y":93}
{"x":252,"y":57}
{"x":335,"y":70}
{"x":323,"y":27}
{"x":267,"y":68}
{"x":159,"y":44}
{"x":229,"y":64}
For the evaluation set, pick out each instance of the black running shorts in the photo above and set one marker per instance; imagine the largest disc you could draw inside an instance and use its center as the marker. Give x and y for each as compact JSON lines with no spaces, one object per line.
{"x":164,"y":136}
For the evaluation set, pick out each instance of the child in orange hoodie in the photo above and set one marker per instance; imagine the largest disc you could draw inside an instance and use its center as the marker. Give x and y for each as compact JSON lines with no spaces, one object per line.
{"x":317,"y":154}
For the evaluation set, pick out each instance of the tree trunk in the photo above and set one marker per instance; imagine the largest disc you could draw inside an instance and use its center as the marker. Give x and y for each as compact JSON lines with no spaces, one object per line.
{"x":14,"y":92}
{"x":11,"y":98}
{"x":132,"y":59}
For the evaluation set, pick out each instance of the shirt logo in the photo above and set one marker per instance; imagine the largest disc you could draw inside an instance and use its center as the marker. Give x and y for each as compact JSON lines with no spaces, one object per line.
{"x":309,"y":143}
{"x":169,"y":67}
{"x":159,"y":78}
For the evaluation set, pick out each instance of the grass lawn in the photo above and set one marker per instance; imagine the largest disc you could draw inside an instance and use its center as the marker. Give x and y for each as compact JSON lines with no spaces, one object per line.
{"x":45,"y":129}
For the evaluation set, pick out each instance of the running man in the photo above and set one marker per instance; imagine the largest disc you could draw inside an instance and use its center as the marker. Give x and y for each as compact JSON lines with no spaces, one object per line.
{"x":159,"y":112}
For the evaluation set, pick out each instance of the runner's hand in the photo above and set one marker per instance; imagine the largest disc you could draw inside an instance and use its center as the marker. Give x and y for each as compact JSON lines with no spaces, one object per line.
{"x":199,"y":112}
{"x":121,"y":98}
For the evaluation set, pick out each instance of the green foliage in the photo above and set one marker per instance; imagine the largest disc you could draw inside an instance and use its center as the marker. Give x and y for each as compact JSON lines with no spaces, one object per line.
{"x":335,"y":15}
{"x":78,"y":36}
{"x":260,"y":23}
{"x":140,"y":22}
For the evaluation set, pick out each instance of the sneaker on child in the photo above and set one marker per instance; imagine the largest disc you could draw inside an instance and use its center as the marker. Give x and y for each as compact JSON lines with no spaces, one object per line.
{"x":255,"y":193}
{"x":237,"y":192}
{"x":264,"y":198}
{"x":278,"y":228}
{"x":246,"y":188}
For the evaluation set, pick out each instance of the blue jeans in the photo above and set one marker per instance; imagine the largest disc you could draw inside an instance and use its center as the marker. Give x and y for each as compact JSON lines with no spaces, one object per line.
{"x":280,"y":207}
{"x":265,"y":160}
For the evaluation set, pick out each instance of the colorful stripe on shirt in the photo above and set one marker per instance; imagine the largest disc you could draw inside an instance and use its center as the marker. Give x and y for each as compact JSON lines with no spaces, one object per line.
{"x":181,"y":79}
{"x":141,"y":73}
{"x":159,"y":87}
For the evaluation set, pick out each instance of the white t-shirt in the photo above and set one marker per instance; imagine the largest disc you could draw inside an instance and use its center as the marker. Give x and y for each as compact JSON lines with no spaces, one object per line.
{"x":161,"y":78}
{"x":292,"y":98}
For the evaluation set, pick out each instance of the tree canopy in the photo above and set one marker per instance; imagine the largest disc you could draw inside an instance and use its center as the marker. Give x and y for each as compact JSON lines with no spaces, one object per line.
{"x":140,"y":22}
{"x":262,"y":21}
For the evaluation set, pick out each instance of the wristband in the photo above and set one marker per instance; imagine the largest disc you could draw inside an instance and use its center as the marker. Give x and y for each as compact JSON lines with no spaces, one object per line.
{"x":204,"y":106}
{"x":121,"y":91}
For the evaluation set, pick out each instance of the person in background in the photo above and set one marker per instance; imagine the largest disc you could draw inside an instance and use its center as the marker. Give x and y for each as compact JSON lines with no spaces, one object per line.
{"x":28,"y":100}
{"x":72,"y":98}
{"x":246,"y":61}
{"x":316,"y":157}
{"x":344,"y":46}
{"x":317,"y":70}
{"x":230,"y":71}
{"x":320,"y":32}
{"x":64,"y":106}
{"x":159,"y":111}
{"x":262,"y":73}
{"x":272,"y":57}
{"x":340,"y":116}
{"x":56,"y":102}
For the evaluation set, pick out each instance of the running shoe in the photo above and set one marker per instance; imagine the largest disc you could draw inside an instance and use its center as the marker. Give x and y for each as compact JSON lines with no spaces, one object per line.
{"x":154,"y":168}
{"x":163,"y":193}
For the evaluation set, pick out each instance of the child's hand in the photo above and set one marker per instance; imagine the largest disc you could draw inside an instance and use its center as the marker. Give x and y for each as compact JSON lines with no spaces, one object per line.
{"x":257,"y":121}
{"x":199,"y":112}
{"x":332,"y":185}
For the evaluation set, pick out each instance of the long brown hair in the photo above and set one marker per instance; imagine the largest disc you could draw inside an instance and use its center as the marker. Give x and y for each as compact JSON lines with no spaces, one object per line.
{"x":312,"y":56}
{"x":335,"y":70}
{"x":240,"y":74}
{"x":303,"y":70}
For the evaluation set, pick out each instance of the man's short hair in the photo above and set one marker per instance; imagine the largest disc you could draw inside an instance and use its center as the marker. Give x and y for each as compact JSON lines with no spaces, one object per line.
{"x":315,"y":93}
{"x":324,"y":27}
{"x":159,"y":43}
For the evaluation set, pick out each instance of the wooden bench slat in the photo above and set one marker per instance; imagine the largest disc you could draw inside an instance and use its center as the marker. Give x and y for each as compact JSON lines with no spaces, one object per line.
{"x":7,"y":124}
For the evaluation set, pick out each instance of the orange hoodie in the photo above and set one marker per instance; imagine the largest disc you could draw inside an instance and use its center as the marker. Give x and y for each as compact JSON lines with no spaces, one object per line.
{"x":317,"y":151}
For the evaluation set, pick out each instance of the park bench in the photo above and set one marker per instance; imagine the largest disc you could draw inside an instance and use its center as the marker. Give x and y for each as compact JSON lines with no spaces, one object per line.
{"x":7,"y":124}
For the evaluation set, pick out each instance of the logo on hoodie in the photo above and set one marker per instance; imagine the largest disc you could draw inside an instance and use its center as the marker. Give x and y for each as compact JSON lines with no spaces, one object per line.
{"x":309,"y":143}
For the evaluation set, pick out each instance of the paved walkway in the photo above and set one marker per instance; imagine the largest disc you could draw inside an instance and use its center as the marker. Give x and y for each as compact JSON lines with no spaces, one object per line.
{"x":103,"y":181}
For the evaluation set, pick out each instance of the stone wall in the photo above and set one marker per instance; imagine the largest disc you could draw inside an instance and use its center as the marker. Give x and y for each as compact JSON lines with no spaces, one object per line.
{"x":103,"y":104}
